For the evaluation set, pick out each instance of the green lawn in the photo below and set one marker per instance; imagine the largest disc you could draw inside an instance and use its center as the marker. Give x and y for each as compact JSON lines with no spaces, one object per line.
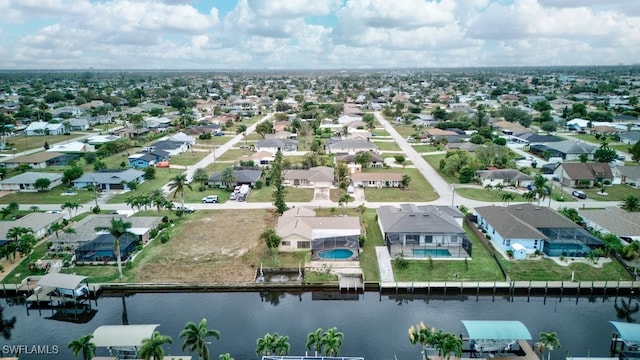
{"x":188,"y":158}
{"x":493,"y":195}
{"x":614,"y":193}
{"x":22,"y":270}
{"x":481,"y":267}
{"x":434,"y":161}
{"x":163,"y":176}
{"x":405,"y":130}
{"x":52,"y":196}
{"x":427,"y":148}
{"x":215,"y":140}
{"x":234,"y":154}
{"x":386,"y":145}
{"x":22,"y":143}
{"x":419,"y":189}
{"x":379,"y":132}
{"x":293,"y":194}
{"x":546,"y":269}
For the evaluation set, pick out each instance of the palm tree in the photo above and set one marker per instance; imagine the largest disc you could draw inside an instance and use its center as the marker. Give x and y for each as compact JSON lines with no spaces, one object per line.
{"x":631,"y":203}
{"x":281,"y":346}
{"x":507,"y":197}
{"x":200,"y":176}
{"x":118,"y":229}
{"x":361,"y":208}
{"x":549,"y":341}
{"x":72,"y":207}
{"x":422,"y":335}
{"x":196,"y":336}
{"x":15,"y":233}
{"x":84,"y":346}
{"x":177,"y":185}
{"x":225,"y":356}
{"x":314,"y":340}
{"x":344,"y":200}
{"x":34,"y":208}
{"x":4,"y":212}
{"x":332,"y":341}
{"x":158,"y":200}
{"x":450,"y":343}
{"x":529,"y":196}
{"x":228,"y":176}
{"x":242,"y":129}
{"x":152,"y":348}
{"x":265,"y":344}
{"x":631,"y":250}
{"x":541,"y":187}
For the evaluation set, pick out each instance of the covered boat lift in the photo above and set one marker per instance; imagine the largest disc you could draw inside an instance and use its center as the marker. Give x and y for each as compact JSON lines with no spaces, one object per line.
{"x":495,"y":336}
{"x":60,"y":288}
{"x":123,"y":339}
{"x":625,"y":334}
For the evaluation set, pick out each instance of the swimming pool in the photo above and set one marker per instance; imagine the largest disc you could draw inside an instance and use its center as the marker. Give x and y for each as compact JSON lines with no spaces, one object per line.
{"x":335,"y":254}
{"x":431,"y":252}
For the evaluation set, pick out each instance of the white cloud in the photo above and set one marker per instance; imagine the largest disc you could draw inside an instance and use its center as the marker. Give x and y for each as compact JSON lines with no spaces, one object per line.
{"x":16,"y":11}
{"x":293,"y":9}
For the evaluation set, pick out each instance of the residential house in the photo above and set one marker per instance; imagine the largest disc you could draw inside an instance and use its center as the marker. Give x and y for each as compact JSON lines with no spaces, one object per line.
{"x":319,"y":176}
{"x":171,"y":147}
{"x":26,"y":181}
{"x":578,"y":124}
{"x":377,"y":161}
{"x":358,"y":134}
{"x":464,"y":146}
{"x":79,"y":124}
{"x":74,"y":147}
{"x":377,"y":180}
{"x":98,"y":140}
{"x":506,"y":177}
{"x":275,"y":145}
{"x":509,"y":128}
{"x":100,"y":250}
{"x":242,"y":176}
{"x":538,"y":229}
{"x":39,"y":128}
{"x":630,"y":137}
{"x":422,"y":232}
{"x":85,"y":230}
{"x":568,"y":150}
{"x":39,"y":160}
{"x":142,"y":160}
{"x":282,"y":134}
{"x":529,"y":138}
{"x":300,"y":229}
{"x":159,"y":123}
{"x":583,"y":175}
{"x":613,"y":220}
{"x":349,"y":146}
{"x":109,"y":179}
{"x":263,"y":158}
{"x":184,"y":138}
{"x":36,"y":221}
{"x":629,"y":175}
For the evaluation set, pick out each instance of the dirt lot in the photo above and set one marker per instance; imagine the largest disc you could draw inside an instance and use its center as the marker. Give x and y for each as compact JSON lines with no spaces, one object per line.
{"x":210,"y":246}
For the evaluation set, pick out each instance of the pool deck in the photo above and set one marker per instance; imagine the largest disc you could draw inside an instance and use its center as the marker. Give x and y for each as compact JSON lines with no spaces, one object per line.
{"x":384,"y":263}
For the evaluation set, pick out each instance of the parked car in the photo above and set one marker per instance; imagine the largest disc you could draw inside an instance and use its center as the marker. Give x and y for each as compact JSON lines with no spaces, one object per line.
{"x":579,"y":194}
{"x":210,"y":199}
{"x":233,"y":196}
{"x":186,"y":209}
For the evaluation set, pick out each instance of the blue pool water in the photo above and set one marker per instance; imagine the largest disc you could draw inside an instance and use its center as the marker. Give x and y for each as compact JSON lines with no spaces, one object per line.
{"x":431,"y":252}
{"x":336,"y":254}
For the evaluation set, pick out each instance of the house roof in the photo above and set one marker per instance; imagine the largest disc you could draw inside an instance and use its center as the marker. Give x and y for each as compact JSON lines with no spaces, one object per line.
{"x":299,"y":211}
{"x":71,"y":146}
{"x":615,"y":220}
{"x":308,"y":226}
{"x":513,"y":126}
{"x":85,"y":229}
{"x":182,"y":137}
{"x":35,"y":221}
{"x":242,"y":176}
{"x":106,"y":242}
{"x":504,"y":174}
{"x":167,"y":145}
{"x":352,"y":144}
{"x":537,"y":138}
{"x":318,"y":173}
{"x":586,"y":171}
{"x":630,"y":135}
{"x":376,"y":176}
{"x":143,"y":156}
{"x":38,"y":157}
{"x":351,"y":158}
{"x":410,"y":218}
{"x":30,"y":177}
{"x":42,"y":125}
{"x":110,"y":176}
{"x":275,"y":143}
{"x":572,"y":147}
{"x":522,"y":221}
{"x":631,"y":172}
{"x":101,"y":139}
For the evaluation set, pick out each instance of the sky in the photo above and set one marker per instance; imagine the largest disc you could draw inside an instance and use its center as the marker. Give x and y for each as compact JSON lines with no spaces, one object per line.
{"x":316,"y":34}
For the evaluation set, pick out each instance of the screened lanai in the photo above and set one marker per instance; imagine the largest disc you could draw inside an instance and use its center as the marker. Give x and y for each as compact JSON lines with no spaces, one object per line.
{"x":574,"y":242}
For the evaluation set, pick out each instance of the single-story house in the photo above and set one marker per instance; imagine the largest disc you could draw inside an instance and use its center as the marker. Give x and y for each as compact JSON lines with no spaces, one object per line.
{"x":242,"y":176}
{"x":421,"y":232}
{"x":39,"y":128}
{"x":464,"y":146}
{"x":171,"y":147}
{"x":109,"y":179}
{"x":377,"y":161}
{"x":577,"y":124}
{"x":72,"y":147}
{"x":583,"y":175}
{"x":537,"y":229}
{"x":569,"y":150}
{"x":36,"y":221}
{"x":506,"y":177}
{"x":39,"y":160}
{"x":509,"y":128}
{"x":629,"y":175}
{"x":533,"y":138}
{"x":629,"y":137}
{"x":377,"y":179}
{"x":158,"y":123}
{"x":613,"y":220}
{"x":182,"y":137}
{"x":300,"y":229}
{"x":98,"y":140}
{"x":263,"y":158}
{"x":319,"y":176}
{"x":350,"y":146}
{"x":85,"y":230}
{"x":26,"y":181}
{"x":79,"y":124}
{"x":100,"y":249}
{"x":273,"y":145}
{"x":142,"y":160}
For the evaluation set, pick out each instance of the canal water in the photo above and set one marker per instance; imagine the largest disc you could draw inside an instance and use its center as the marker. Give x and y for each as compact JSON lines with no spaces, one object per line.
{"x":374,"y":325}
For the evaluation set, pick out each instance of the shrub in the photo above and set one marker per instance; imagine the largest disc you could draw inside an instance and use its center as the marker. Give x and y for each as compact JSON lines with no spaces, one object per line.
{"x":164,"y":237}
{"x":488,"y":237}
{"x":95,"y":209}
{"x":258,"y":184}
{"x":509,"y":253}
{"x":165,"y":219}
{"x":607,"y":182}
{"x":361,"y":240}
{"x":153,"y":233}
{"x":401,"y":262}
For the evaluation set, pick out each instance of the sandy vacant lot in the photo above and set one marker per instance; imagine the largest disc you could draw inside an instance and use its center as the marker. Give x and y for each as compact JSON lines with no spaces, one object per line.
{"x":210,"y":246}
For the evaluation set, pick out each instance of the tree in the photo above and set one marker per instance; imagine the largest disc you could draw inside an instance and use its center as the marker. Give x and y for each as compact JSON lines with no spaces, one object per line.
{"x":56,"y":227}
{"x":196,"y":336}
{"x":177,"y":185}
{"x":26,"y":243}
{"x":540,"y":187}
{"x":5,"y":211}
{"x":507,"y":197}
{"x":604,"y":154}
{"x":225,"y":356}
{"x":200,"y":176}
{"x":149,"y":173}
{"x":406,"y":179}
{"x":242,"y":129}
{"x":632,"y":250}
{"x":272,"y":344}
{"x":279,"y":191}
{"x":159,"y":200}
{"x":314,"y":341}
{"x":529,"y":196}
{"x":83,"y":345}
{"x":228,"y":176}
{"x":400,"y":159}
{"x":635,"y":151}
{"x":344,"y":200}
{"x":466,"y":174}
{"x":549,"y":341}
{"x":72,"y":207}
{"x":263,"y":128}
{"x":152,"y":348}
{"x":118,"y":229}
{"x":15,"y":233}
{"x":271,"y":239}
{"x":631,"y":203}
{"x":332,"y":341}
{"x":42,"y":184}
{"x":448,"y":343}
{"x":363,"y":158}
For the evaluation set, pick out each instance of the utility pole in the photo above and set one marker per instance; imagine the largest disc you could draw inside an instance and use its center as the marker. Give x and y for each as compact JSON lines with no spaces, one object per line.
{"x":95,"y":191}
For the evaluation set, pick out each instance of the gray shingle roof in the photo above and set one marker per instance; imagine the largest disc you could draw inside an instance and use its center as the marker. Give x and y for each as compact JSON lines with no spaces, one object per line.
{"x":30,"y":177}
{"x":410,"y":218}
{"x":616,"y":220}
{"x":110,"y":177}
{"x":505,"y":174}
{"x":572,"y":147}
{"x":242,"y":176}
{"x":85,"y":228}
